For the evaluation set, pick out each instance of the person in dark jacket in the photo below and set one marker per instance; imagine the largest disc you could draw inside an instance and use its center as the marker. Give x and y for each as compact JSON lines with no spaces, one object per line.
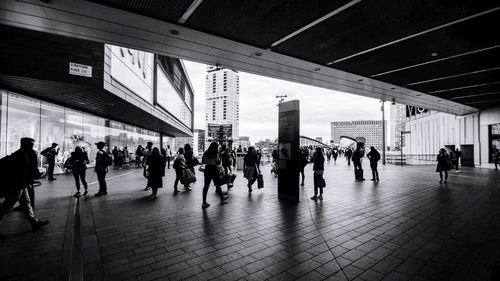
{"x":225,"y":157}
{"x":51,"y":154}
{"x":22,"y":172}
{"x":146,"y":153}
{"x":211,"y":159}
{"x":155,"y":167}
{"x":356,"y":160}
{"x":496,"y":158}
{"x":374,"y":157}
{"x":443,"y":165}
{"x":318,"y":161}
{"x":101,"y":168}
{"x":251,"y":167}
{"x":79,"y":160}
{"x":348,"y":155}
{"x":303,"y":160}
{"x":179,"y":166}
{"x":191,"y":162}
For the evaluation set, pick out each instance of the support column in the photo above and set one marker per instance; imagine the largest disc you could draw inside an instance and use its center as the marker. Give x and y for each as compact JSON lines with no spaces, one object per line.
{"x":288,"y":151}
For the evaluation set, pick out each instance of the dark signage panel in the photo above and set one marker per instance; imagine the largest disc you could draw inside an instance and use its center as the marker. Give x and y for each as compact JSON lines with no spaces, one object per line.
{"x":413,"y":110}
{"x":217,"y":132}
{"x":288,"y":146}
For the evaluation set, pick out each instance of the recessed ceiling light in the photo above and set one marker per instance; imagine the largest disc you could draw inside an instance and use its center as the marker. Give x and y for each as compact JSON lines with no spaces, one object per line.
{"x":438,"y":100}
{"x":258,"y":54}
{"x":360,"y":80}
{"x":174,"y":31}
{"x":329,"y":63}
{"x":393,"y":88}
{"x":434,"y":54}
{"x":317,"y":69}
{"x":418,"y":95}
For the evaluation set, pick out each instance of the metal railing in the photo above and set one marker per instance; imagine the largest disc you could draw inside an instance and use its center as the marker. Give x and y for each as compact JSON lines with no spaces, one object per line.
{"x":410,"y":159}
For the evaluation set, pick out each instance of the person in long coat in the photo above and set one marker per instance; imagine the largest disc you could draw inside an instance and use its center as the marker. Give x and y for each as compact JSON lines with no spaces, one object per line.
{"x":443,"y":165}
{"x":155,"y":167}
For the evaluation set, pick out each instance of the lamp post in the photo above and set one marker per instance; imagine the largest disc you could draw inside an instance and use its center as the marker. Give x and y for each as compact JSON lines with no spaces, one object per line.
{"x":383,"y":131}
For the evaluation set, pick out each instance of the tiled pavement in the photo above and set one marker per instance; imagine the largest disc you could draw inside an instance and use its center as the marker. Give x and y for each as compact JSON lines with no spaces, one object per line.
{"x":407,"y":227}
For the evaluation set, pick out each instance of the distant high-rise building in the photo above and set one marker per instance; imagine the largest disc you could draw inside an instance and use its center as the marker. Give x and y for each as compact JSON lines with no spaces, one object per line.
{"x":320,"y":139}
{"x":199,"y":141}
{"x":397,"y":124}
{"x":371,"y":130}
{"x":222,"y":105}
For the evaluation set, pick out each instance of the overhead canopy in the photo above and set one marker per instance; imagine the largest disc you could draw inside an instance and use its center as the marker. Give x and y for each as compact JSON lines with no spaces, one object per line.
{"x":441,"y":55}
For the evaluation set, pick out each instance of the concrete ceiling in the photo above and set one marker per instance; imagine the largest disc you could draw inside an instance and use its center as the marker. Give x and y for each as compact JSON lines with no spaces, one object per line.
{"x":434,"y":54}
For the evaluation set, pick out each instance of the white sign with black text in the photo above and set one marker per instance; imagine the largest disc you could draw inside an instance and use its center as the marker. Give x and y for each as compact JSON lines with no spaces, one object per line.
{"x":80,"y":69}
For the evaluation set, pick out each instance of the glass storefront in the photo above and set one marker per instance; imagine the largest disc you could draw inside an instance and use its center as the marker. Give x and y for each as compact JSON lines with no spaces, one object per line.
{"x":494,"y":139}
{"x":21,"y":116}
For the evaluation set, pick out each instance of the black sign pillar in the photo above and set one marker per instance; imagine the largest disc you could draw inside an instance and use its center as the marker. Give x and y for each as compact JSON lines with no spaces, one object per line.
{"x":288,"y":151}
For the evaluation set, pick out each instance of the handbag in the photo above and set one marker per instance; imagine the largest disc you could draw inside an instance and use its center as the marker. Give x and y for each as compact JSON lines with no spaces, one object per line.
{"x":322,"y":182}
{"x":260,"y":181}
{"x":201,"y":168}
{"x":188,"y":176}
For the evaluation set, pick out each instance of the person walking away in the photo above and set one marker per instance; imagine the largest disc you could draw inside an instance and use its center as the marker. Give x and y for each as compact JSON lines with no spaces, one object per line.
{"x":102,"y":161}
{"x":226,"y":163}
{"x":318,"y":161}
{"x":328,"y":154}
{"x":456,"y":163}
{"x":348,"y":155}
{"x":496,"y":158}
{"x":335,"y":154}
{"x":126,"y":156}
{"x":374,"y":157}
{"x":120,"y":158}
{"x":233,"y":157}
{"x":146,"y":153}
{"x":51,"y":153}
{"x":251,"y":167}
{"x":114,"y":152}
{"x":443,"y":165}
{"x":211,"y":160}
{"x":358,"y":168}
{"x":20,"y":169}
{"x":79,"y":161}
{"x":191,"y":162}
{"x":155,"y":168}
{"x":303,"y":160}
{"x":163,"y":153}
{"x":179,"y":166}
{"x":169,"y":156}
{"x":138,"y":155}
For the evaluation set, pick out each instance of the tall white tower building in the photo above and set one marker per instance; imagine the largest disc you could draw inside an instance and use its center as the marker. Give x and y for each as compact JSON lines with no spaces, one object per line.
{"x":397,"y":123}
{"x":222,"y":105}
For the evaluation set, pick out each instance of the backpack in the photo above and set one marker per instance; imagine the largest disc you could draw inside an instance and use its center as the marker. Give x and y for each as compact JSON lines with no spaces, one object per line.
{"x":45,"y":151}
{"x":107,"y":160}
{"x":177,"y":163}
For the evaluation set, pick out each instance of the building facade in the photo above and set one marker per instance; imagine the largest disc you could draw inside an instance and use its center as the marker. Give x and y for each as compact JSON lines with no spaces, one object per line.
{"x":88,"y":92}
{"x":475,"y":135}
{"x":371,"y":130}
{"x":222,"y":105}
{"x":397,"y":124}
{"x":199,"y":141}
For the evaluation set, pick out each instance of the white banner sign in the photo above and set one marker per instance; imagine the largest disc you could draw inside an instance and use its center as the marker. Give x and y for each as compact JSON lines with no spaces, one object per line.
{"x":80,"y":69}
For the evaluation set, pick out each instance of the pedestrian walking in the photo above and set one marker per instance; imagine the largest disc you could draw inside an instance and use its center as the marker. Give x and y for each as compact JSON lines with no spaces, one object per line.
{"x":303,"y":161}
{"x":126,"y":156}
{"x":251,"y":167}
{"x":226,"y":163}
{"x":335,"y":154}
{"x":356,"y":160}
{"x":496,"y":158}
{"x":78,"y":161}
{"x":456,"y":160}
{"x":50,"y":153}
{"x":146,"y":153}
{"x":374,"y":157}
{"x":191,"y":162}
{"x":443,"y":164}
{"x":169,"y":156}
{"x":179,"y":166}
{"x":318,"y":161}
{"x":211,"y":160}
{"x":348,"y":155}
{"x":21,"y":169}
{"x":155,"y":169}
{"x":102,"y":161}
{"x":139,"y":152}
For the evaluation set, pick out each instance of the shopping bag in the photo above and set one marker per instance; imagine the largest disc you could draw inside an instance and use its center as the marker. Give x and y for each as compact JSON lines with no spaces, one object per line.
{"x":201,"y":168}
{"x":260,"y":181}
{"x":188,"y":176}
{"x":231,"y":178}
{"x":249,"y":172}
{"x":358,"y":173}
{"x":322,"y":182}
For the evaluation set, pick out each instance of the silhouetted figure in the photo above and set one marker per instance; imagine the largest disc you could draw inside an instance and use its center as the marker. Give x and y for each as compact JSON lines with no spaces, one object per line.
{"x":139,"y":152}
{"x":443,"y":164}
{"x":251,"y":167}
{"x":226,"y":163}
{"x":348,"y":155}
{"x":211,"y":160}
{"x":22,"y":170}
{"x":179,"y":166}
{"x":239,"y":150}
{"x":102,"y":161}
{"x":146,"y":153}
{"x":233,"y":156}
{"x":496,"y":158}
{"x":155,"y":168}
{"x":356,"y":160}
{"x":374,"y":157}
{"x":328,"y":154}
{"x":163,"y":153}
{"x":169,"y":156}
{"x":303,"y":160}
{"x":335,"y":154}
{"x":191,"y":162}
{"x":114,"y":152}
{"x":79,"y":160}
{"x":126,"y":156}
{"x":318,"y":161}
{"x":51,"y":153}
{"x":456,"y":160}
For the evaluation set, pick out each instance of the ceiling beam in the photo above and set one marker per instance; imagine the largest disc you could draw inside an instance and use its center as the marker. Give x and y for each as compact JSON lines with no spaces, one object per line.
{"x":419,"y":34}
{"x":323,"y":18}
{"x":464,"y":87}
{"x":453,"y":76}
{"x":434,"y":61}
{"x":189,"y":11}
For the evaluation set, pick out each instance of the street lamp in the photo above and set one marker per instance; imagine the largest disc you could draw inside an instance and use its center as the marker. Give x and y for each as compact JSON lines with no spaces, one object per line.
{"x":281,"y":98}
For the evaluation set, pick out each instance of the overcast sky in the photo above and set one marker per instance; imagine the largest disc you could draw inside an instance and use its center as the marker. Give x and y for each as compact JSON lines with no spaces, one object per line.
{"x":259,"y":113}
